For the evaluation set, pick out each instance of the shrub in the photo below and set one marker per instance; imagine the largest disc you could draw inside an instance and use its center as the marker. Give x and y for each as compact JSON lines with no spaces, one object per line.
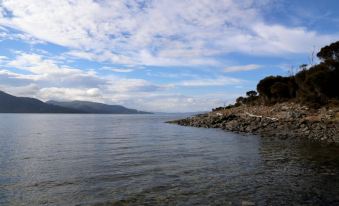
{"x":277,"y":88}
{"x":313,"y":86}
{"x":330,"y":52}
{"x":319,"y":84}
{"x":251,"y":93}
{"x":280,"y":90}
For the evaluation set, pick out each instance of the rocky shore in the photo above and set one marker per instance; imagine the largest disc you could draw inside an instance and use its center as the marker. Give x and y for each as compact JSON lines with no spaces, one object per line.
{"x":283,"y":120}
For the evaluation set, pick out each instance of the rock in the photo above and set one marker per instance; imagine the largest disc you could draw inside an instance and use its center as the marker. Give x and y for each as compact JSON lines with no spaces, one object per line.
{"x":247,"y":203}
{"x":285,"y":108}
{"x":293,"y":121}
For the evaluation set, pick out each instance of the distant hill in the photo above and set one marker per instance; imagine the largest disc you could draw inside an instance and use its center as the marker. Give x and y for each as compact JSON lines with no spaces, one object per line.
{"x":96,"y":108}
{"x":13,"y":104}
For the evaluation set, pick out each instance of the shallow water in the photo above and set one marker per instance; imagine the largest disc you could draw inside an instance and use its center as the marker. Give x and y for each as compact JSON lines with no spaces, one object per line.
{"x":55,"y":159}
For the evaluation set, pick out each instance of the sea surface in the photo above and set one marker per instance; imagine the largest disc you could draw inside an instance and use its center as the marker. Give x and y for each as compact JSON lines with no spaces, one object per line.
{"x":58,"y":159}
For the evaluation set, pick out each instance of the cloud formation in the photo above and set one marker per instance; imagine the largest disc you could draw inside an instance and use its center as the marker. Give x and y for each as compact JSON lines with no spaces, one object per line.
{"x":219,"y":81}
{"x":242,"y":68}
{"x":163,"y":32}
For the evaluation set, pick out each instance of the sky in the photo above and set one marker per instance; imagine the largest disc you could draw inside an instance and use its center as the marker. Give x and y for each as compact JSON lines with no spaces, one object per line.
{"x":157,"y":55}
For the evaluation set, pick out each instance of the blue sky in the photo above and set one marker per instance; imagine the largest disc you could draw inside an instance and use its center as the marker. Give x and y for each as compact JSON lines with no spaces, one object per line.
{"x":163,"y":55}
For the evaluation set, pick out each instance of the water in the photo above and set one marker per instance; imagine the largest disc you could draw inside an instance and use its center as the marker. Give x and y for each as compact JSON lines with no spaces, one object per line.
{"x":139,"y":160}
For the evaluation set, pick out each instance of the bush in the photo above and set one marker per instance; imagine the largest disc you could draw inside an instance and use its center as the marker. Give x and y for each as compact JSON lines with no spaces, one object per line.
{"x":277,"y":88}
{"x":319,"y":84}
{"x":251,"y":93}
{"x":280,"y":91}
{"x":330,"y":52}
{"x":313,"y":86}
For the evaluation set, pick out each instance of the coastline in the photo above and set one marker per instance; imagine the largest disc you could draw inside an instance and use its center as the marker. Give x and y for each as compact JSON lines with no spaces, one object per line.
{"x":282,"y":120}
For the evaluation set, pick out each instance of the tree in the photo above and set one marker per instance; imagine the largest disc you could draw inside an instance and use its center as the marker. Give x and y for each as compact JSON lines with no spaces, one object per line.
{"x":251,"y":93}
{"x":264,"y":86}
{"x":313,"y":85}
{"x":280,"y":90}
{"x":277,"y":88}
{"x":330,"y":52}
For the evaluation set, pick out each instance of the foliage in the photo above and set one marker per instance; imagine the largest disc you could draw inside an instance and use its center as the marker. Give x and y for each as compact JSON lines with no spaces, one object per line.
{"x":223,"y":108}
{"x":277,"y":88}
{"x":330,"y":52}
{"x":251,"y":93}
{"x":314,"y":86}
{"x":319,"y":84}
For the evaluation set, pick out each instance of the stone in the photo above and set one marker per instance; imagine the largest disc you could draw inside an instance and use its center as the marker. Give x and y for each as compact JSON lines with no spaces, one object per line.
{"x":296,"y":121}
{"x":247,"y":203}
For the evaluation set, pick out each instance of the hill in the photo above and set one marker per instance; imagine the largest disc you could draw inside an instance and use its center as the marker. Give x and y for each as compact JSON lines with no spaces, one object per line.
{"x":13,"y":104}
{"x":96,"y":108}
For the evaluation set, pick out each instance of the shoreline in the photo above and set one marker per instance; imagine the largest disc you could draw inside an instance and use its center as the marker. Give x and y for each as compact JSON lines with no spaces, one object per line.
{"x":282,"y":120}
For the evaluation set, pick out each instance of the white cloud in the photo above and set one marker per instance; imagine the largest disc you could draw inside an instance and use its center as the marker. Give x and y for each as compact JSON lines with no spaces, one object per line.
{"x":35,"y":64}
{"x":67,"y":94}
{"x":44,"y":71}
{"x":7,"y":35}
{"x":134,"y":93}
{"x":181,"y":103}
{"x":3,"y":60}
{"x":163,"y":32}
{"x":277,"y":39}
{"x":219,"y":81}
{"x":30,"y":90}
{"x":119,"y":70}
{"x":242,"y":68}
{"x":46,"y":79}
{"x":12,"y":78}
{"x":124,"y":85}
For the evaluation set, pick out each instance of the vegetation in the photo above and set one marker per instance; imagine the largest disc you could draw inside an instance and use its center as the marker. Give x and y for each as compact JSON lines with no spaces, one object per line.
{"x":314,"y":86}
{"x":277,"y":89}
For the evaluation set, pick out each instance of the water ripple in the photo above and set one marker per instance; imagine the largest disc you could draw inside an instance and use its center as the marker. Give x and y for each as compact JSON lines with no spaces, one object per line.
{"x":140,"y":160}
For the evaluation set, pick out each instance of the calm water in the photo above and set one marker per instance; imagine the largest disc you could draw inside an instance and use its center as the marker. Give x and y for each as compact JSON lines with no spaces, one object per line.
{"x":140,"y":160}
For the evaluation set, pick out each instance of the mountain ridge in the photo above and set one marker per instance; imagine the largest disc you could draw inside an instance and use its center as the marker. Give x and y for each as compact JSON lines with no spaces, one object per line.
{"x":14,"y":104}
{"x":96,"y":108}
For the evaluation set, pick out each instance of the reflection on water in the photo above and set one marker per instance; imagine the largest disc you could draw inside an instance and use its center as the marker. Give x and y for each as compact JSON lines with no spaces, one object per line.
{"x":139,"y":160}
